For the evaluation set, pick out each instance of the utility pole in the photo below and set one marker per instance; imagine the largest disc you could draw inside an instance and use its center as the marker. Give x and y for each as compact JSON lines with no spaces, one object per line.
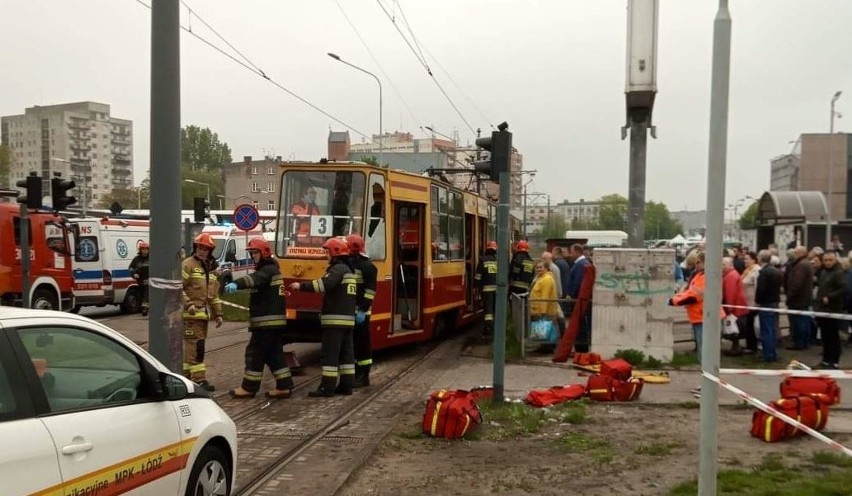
{"x":165,"y":322}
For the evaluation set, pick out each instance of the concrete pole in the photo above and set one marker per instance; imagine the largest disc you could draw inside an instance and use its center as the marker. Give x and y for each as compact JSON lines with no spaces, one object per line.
{"x":636,"y":194}
{"x":716,"y":171}
{"x":165,"y":323}
{"x":524,"y":230}
{"x":502,"y":289}
{"x":830,"y":170}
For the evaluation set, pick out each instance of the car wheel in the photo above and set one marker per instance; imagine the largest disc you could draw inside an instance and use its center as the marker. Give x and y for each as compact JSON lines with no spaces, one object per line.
{"x":44,"y":299}
{"x":210,"y":475}
{"x":131,"y":303}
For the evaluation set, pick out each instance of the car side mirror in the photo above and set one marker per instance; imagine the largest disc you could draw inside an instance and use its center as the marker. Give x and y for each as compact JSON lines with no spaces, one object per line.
{"x":173,"y":388}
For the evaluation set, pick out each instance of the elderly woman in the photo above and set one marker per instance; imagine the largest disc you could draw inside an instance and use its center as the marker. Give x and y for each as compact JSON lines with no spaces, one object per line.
{"x":543,"y":304}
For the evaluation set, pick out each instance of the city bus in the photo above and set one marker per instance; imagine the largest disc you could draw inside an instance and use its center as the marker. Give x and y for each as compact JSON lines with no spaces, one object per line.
{"x":424,"y":235}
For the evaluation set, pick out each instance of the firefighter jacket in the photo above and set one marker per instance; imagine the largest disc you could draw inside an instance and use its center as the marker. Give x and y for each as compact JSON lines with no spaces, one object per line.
{"x":521,"y":272}
{"x":365,"y":275}
{"x":339,"y":287}
{"x":266,"y":303}
{"x":486,"y":272}
{"x":693,"y":299}
{"x":201,"y":288}
{"x":139,"y":266}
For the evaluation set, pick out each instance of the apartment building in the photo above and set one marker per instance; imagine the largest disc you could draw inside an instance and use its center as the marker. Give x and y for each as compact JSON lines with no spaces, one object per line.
{"x":80,"y":140}
{"x":250,"y":181}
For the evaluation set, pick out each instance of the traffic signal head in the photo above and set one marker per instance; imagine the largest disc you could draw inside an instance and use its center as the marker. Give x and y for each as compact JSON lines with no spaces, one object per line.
{"x":59,"y":193}
{"x":32,"y":184}
{"x":201,"y":207}
{"x":499,"y":146}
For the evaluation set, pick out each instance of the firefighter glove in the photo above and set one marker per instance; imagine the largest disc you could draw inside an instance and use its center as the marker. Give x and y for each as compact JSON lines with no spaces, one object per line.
{"x":360,"y":317}
{"x":231,"y":288}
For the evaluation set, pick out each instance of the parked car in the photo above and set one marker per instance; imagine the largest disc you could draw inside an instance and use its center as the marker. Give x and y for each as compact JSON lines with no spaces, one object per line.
{"x":84,"y":410}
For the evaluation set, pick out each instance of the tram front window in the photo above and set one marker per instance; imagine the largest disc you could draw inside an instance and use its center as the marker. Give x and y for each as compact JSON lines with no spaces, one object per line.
{"x":322,"y":204}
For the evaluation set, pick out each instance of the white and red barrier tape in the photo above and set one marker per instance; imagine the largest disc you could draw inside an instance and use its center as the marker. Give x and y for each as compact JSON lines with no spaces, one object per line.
{"x":229,"y":304}
{"x":788,"y":311}
{"x":834,"y":374}
{"x":768,"y":409}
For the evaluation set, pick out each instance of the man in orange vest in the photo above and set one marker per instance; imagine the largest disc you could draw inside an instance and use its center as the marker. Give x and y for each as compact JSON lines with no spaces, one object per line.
{"x":302,"y":212}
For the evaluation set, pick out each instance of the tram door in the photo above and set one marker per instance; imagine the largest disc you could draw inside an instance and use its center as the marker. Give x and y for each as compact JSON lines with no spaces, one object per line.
{"x":408,"y":264}
{"x":469,"y":260}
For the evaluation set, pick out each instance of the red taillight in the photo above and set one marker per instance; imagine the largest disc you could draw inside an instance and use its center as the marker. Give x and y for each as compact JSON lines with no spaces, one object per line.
{"x":107,"y":278}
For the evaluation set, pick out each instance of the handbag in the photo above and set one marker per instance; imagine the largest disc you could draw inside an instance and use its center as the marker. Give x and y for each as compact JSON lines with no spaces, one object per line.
{"x":543,"y":330}
{"x":731,"y":329}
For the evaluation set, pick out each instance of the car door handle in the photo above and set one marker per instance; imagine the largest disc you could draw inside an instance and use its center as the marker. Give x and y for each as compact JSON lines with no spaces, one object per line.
{"x":77,"y":448}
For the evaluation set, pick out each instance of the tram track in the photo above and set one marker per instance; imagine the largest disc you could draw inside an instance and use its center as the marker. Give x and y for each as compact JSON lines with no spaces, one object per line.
{"x":299,"y":441}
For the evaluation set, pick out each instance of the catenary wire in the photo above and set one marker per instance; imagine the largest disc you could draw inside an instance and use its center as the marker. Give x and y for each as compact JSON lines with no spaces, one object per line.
{"x":267,"y":78}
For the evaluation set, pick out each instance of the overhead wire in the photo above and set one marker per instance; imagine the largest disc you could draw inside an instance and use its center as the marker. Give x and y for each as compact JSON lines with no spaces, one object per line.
{"x":251,"y":67}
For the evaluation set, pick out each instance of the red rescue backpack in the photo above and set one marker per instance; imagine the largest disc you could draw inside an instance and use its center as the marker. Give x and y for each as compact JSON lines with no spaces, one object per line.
{"x":809,"y":410}
{"x":795,"y":386}
{"x":555,"y":395}
{"x":587,"y":358}
{"x":450,"y":414}
{"x":604,"y":388}
{"x":617,"y":368}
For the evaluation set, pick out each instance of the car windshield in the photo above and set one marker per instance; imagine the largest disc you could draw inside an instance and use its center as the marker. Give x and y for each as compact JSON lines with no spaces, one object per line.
{"x":316,"y":205}
{"x":220,"y":245}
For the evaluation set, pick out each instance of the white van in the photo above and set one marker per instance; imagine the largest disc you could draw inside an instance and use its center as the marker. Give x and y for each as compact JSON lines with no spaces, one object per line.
{"x":103,"y":250}
{"x":230,"y":250}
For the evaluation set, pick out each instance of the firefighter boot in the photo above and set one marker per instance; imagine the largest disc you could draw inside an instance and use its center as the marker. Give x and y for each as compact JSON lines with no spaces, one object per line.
{"x":362,"y":376}
{"x":345,"y":386}
{"x":325,"y":389}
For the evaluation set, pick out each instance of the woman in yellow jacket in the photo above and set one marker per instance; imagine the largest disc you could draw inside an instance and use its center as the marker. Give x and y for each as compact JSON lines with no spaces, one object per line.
{"x":543,"y":289}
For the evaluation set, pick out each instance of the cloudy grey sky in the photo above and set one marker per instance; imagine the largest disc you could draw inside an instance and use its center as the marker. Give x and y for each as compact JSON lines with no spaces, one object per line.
{"x":554,"y":69}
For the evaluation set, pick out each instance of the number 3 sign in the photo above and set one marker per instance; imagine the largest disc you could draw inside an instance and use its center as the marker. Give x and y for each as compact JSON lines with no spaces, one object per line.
{"x":321,"y":225}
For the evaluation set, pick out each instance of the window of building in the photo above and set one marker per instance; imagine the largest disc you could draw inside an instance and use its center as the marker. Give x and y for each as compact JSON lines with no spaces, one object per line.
{"x":254,"y":169}
{"x":255,"y":188}
{"x":270,"y":187}
{"x":255,"y":203}
{"x":270,"y":169}
{"x":270,"y":205}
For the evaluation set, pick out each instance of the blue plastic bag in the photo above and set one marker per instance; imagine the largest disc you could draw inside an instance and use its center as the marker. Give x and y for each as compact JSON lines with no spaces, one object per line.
{"x":543,"y":330}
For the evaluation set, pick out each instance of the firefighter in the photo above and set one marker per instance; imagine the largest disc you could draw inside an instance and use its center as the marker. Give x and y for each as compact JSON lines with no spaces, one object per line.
{"x":337,"y":318}
{"x":266,"y":324}
{"x":486,"y":278}
{"x":200,"y":304}
{"x":139,"y":273}
{"x":365,"y":276}
{"x":521,"y":269}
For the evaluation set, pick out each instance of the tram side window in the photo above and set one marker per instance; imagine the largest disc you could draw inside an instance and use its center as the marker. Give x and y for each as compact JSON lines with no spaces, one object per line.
{"x":440,"y":216}
{"x":456,"y":226}
{"x":376,"y":227}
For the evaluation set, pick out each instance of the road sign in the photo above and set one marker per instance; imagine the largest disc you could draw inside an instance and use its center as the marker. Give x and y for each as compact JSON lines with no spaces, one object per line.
{"x":246,"y":217}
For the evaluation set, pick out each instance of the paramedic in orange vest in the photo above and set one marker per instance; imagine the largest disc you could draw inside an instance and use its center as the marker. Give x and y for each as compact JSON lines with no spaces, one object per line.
{"x":302,"y":212}
{"x":201,"y":304}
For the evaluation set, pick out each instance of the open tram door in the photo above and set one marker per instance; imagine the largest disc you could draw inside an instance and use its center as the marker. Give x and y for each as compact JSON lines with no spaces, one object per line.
{"x":408,"y":260}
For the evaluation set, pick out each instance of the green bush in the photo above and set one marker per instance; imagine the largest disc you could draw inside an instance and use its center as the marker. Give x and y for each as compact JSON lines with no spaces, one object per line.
{"x":633,"y":357}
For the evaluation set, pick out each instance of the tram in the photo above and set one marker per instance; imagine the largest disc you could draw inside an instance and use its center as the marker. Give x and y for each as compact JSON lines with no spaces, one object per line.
{"x":424,"y":236}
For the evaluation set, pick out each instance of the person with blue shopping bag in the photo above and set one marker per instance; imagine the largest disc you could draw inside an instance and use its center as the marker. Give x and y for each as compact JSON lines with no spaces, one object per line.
{"x":544,"y":309}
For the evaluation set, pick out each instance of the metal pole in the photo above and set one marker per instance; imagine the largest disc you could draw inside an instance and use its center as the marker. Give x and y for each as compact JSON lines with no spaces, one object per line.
{"x":502,"y":288}
{"x":636,"y":194}
{"x":85,"y":188}
{"x":165,"y":324}
{"x":25,"y":258}
{"x":830,"y":171}
{"x":716,"y":171}
{"x":525,"y":212}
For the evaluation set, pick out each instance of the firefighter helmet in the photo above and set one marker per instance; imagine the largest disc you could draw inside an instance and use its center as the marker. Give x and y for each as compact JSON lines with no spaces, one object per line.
{"x":523,"y":245}
{"x":491,"y":245}
{"x":337,"y":247}
{"x":356,"y":244}
{"x":260,"y":245}
{"x":204,"y":240}
{"x":143,"y":245}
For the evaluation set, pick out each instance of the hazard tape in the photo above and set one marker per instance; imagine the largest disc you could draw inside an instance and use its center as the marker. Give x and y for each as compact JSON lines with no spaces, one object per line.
{"x":835,"y":374}
{"x":771,"y":411}
{"x":160,"y":283}
{"x":807,"y":313}
{"x":229,"y":304}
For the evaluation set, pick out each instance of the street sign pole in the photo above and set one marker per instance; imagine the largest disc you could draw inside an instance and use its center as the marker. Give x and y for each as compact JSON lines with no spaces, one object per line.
{"x":502,"y":289}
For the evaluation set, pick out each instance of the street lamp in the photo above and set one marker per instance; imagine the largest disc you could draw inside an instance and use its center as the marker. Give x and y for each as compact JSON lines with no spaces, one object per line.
{"x":830,"y":168}
{"x":203,"y":184}
{"x":381,"y":130}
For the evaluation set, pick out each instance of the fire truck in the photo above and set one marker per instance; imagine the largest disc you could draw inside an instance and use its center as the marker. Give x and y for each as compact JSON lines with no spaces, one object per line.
{"x":104,"y":248}
{"x":50,"y":259}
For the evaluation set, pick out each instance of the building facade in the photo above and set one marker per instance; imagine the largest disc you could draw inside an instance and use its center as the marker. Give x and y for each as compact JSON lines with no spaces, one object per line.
{"x":250,"y":181}
{"x":824,"y":166}
{"x":784,"y":173}
{"x":82,"y":141}
{"x":580,"y":214}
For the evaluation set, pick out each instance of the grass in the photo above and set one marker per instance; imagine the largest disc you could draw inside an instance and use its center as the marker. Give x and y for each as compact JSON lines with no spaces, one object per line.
{"x":656,"y":449}
{"x":576,"y":442}
{"x":514,"y":420}
{"x":232,"y":314}
{"x":683,"y":359}
{"x":824,"y":474}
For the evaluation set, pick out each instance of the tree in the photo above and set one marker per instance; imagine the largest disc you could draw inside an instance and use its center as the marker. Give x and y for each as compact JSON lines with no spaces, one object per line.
{"x":554,"y":227}
{"x":192,"y":190}
{"x":749,"y":218}
{"x":128,"y":198}
{"x":659,"y":223}
{"x":201,"y":149}
{"x":5,"y":165}
{"x":612,"y":214}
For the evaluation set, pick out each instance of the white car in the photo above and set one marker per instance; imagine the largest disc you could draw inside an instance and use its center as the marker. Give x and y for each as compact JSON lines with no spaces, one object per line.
{"x":84,"y":410}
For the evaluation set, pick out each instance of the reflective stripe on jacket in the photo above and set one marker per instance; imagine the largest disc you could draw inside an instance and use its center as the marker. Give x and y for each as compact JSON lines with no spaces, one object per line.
{"x":200,"y":288}
{"x":267,"y":303}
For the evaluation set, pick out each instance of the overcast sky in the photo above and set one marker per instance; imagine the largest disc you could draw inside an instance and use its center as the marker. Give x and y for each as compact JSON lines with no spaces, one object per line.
{"x":553,"y":69}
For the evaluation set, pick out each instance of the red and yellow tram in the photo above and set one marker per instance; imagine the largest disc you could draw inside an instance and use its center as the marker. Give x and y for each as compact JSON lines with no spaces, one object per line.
{"x":424,"y":236}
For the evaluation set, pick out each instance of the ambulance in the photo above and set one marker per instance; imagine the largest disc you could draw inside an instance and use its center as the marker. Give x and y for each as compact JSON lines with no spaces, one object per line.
{"x":103,"y":251}
{"x":230,"y":251}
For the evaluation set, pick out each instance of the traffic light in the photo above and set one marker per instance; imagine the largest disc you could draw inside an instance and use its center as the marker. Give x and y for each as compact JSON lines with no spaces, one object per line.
{"x":202,"y":208}
{"x":499,"y":145}
{"x":32,"y":184}
{"x":59,"y":193}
